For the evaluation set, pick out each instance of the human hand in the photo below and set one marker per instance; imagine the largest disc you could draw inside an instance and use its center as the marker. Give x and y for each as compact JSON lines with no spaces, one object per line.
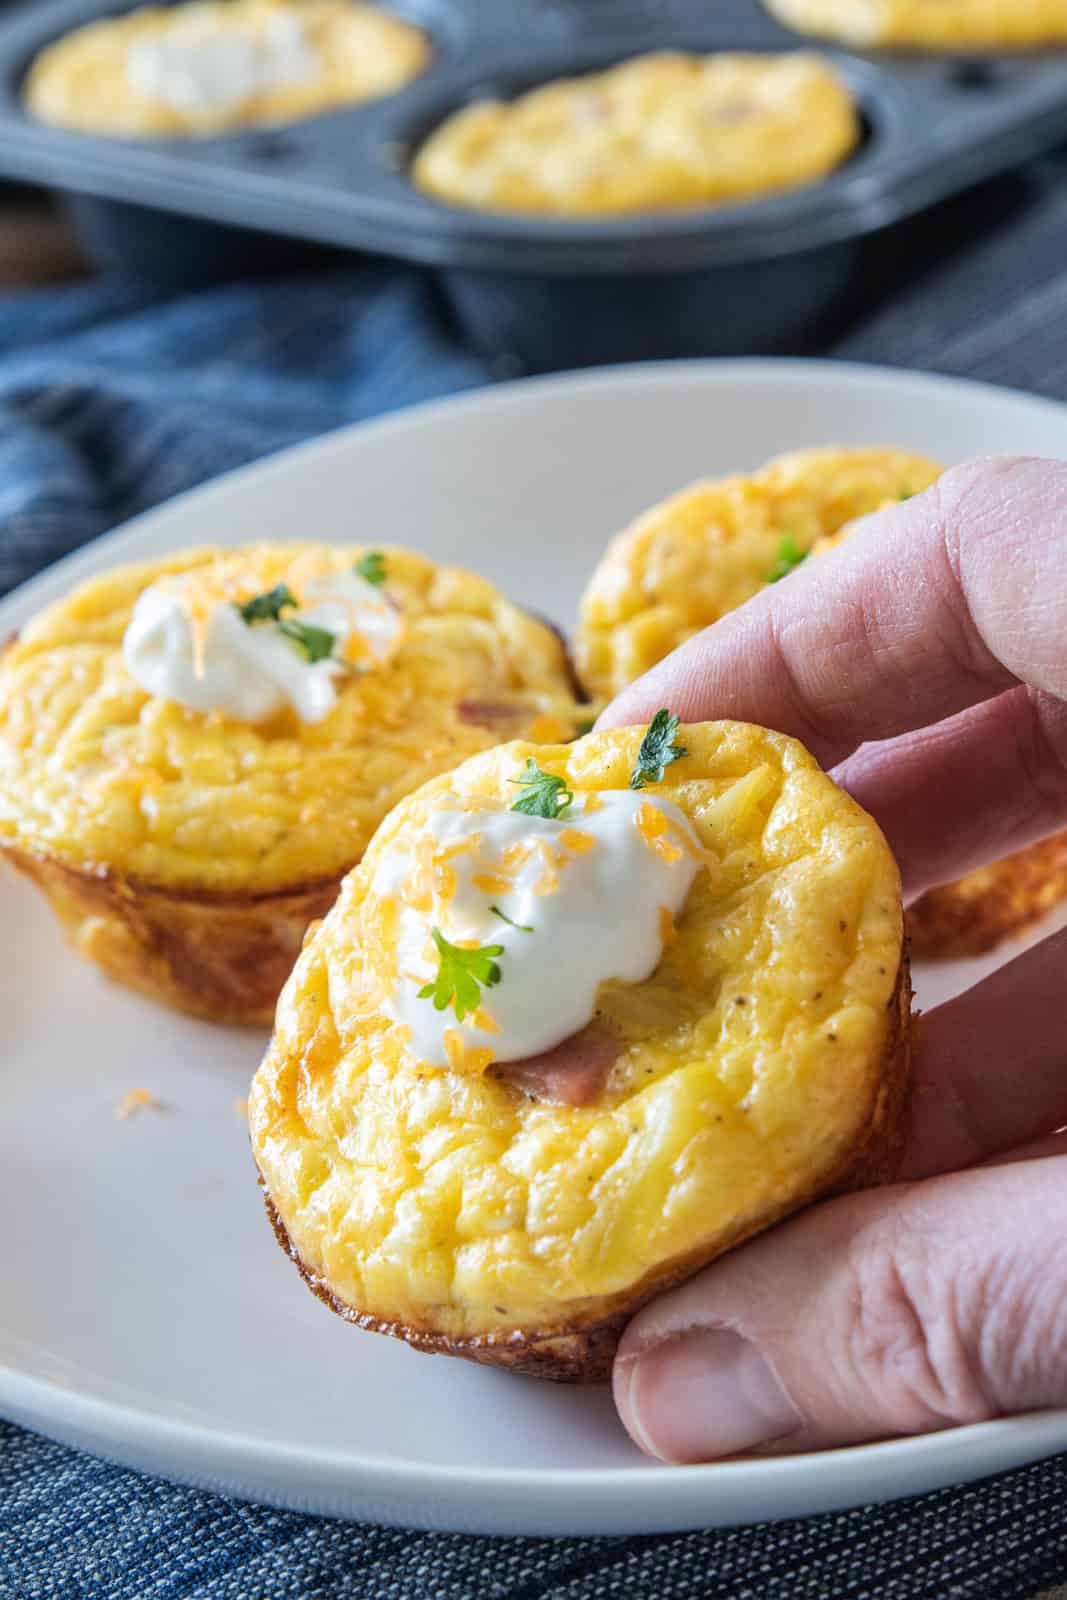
{"x":940,"y":631}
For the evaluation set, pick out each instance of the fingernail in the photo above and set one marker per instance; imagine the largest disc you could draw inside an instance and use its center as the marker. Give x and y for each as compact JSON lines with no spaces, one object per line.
{"x":701,"y":1395}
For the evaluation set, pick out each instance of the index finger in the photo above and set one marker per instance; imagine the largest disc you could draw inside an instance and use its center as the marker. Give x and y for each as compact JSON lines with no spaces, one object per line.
{"x":933,"y":606}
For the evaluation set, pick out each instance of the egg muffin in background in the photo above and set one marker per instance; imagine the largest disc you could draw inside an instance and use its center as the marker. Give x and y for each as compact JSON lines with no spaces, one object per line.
{"x":583,"y":1018}
{"x":659,"y":132}
{"x":687,"y":562}
{"x":211,"y":65}
{"x":195,"y":750}
{"x":929,"y":24}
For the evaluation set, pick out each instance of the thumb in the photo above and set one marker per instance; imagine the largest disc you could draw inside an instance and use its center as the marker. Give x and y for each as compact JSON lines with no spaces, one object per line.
{"x":898,"y":1311}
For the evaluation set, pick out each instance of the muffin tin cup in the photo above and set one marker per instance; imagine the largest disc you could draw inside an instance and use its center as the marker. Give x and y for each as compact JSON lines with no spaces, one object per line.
{"x":542,"y":291}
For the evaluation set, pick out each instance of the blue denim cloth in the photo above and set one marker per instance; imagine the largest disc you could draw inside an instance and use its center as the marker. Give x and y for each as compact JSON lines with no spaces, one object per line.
{"x":110,"y":403}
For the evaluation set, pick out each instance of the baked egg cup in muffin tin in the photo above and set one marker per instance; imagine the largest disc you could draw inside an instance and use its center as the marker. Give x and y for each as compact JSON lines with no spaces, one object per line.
{"x":710,"y":266}
{"x":207,"y":66}
{"x":686,"y":562}
{"x":755,"y":1057}
{"x":928,"y":24}
{"x":195,"y":750}
{"x":658,"y":132}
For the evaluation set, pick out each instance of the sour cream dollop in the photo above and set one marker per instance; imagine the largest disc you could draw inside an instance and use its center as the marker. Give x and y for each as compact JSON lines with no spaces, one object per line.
{"x":596,"y":889}
{"x":200,"y":70}
{"x":249,"y":671}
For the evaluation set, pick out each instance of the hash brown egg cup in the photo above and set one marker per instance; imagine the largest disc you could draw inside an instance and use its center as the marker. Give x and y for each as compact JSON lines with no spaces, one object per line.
{"x":150,"y":73}
{"x":185,"y":852}
{"x":763,"y":1063}
{"x":978,"y":912}
{"x":708,"y":549}
{"x":929,"y":24}
{"x":658,"y":132}
{"x":688,"y":561}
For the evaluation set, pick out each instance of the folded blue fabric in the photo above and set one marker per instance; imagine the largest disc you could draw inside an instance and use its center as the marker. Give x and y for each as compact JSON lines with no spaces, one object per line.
{"x":111,"y":402}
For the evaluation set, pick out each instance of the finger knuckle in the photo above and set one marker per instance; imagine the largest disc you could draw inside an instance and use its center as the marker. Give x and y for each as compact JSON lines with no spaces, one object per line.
{"x":907,"y":1338}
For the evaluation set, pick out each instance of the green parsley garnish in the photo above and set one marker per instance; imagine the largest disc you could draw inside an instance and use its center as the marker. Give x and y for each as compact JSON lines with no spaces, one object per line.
{"x":268,"y":607}
{"x":371,"y":567}
{"x":460,"y":974}
{"x":789,"y":557}
{"x":548,"y":795}
{"x":657,"y":751}
{"x":521,"y":926}
{"x":582,"y":728}
{"x":316,"y":643}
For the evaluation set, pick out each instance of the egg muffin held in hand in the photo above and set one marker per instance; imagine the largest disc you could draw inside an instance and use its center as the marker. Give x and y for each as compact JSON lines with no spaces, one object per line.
{"x":687,"y":562}
{"x":194,"y":751}
{"x":212,"y":65}
{"x":583,"y":1018}
{"x":929,"y":24}
{"x":659,"y":132}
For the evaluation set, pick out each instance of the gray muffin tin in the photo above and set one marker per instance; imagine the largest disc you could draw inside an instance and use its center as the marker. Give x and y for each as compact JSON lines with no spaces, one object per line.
{"x":543,"y":292}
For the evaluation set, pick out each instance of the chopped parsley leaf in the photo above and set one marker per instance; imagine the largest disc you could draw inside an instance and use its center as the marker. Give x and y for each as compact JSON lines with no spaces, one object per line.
{"x":316,"y":643}
{"x":657,"y":751}
{"x":789,"y":557}
{"x":371,"y":567}
{"x":268,"y":607}
{"x":460,"y":976}
{"x":521,"y":926}
{"x":547,"y":795}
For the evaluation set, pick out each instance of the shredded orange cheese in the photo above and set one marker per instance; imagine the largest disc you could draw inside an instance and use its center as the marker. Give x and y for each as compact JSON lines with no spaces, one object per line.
{"x":577,"y":841}
{"x":654,"y":829}
{"x":463,"y":1057}
{"x":135,"y":1100}
{"x":548,"y":882}
{"x":234,"y":580}
{"x":491,"y":882}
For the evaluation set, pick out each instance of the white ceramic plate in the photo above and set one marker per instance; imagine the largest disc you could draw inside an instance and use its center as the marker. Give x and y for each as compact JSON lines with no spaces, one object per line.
{"x":145,"y":1311}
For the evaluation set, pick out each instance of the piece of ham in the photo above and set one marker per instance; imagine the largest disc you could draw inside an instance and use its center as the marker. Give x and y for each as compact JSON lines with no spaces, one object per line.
{"x":574,"y":1073}
{"x":489,"y":713}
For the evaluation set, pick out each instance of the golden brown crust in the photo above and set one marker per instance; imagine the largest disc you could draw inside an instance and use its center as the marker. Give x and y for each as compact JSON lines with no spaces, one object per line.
{"x":222,"y":957}
{"x":584,"y":1353}
{"x":978,"y":912}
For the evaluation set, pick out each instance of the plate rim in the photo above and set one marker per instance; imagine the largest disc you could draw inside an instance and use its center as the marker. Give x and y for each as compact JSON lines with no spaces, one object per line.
{"x":671,"y":1498}
{"x":796,"y":370}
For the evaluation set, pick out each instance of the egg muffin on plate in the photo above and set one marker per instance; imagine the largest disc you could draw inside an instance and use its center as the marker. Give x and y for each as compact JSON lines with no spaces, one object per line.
{"x":583,"y":1018}
{"x":686,"y":562}
{"x":929,"y":24}
{"x":212,"y":65}
{"x":659,"y":132}
{"x":195,"y":750}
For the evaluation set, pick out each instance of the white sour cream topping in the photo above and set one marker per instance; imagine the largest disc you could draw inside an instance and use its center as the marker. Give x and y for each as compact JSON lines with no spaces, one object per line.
{"x":200,"y":70}
{"x":249,"y":671}
{"x":603,"y":921}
